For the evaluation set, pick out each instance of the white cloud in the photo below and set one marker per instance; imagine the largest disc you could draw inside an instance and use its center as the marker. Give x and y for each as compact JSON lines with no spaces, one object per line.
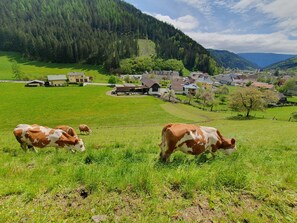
{"x":184,"y":23}
{"x":204,"y":6}
{"x":244,"y":5}
{"x":283,"y":12}
{"x":275,"y":16}
{"x":274,"y":42}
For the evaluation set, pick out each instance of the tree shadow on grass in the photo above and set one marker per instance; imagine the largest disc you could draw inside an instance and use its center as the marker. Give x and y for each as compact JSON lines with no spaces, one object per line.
{"x":243,"y":118}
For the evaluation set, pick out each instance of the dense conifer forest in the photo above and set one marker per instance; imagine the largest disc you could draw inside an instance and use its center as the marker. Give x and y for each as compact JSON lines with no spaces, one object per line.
{"x":93,"y":32}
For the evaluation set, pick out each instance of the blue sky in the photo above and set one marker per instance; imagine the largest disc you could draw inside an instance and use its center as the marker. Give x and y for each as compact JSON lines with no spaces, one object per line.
{"x":240,"y":26}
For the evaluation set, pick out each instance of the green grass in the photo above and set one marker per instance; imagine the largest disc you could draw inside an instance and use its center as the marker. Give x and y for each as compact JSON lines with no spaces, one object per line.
{"x":293,"y":99}
{"x":39,"y":70}
{"x":147,"y":48}
{"x":119,"y":175}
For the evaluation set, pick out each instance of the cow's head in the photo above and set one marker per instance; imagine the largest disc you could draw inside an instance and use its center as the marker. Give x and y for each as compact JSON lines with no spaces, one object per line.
{"x":79,"y":145}
{"x":228,"y":146}
{"x":163,"y":157}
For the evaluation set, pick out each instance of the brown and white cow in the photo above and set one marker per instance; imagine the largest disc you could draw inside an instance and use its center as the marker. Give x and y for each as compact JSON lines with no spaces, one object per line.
{"x":193,"y":140}
{"x":84,"y":129}
{"x":67,"y":129}
{"x":40,"y":136}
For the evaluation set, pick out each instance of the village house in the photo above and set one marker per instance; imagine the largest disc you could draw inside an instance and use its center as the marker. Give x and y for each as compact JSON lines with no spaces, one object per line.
{"x":190,"y":89}
{"x":78,"y":77}
{"x":202,"y":79}
{"x":232,"y":79}
{"x":57,"y":80}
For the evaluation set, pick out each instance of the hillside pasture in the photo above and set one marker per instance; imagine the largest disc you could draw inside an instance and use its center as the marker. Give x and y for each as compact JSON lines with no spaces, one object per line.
{"x":119,"y":178}
{"x":39,"y":70}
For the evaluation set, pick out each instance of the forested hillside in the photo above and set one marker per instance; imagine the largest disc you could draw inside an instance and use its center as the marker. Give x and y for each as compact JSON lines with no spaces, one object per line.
{"x":231,"y":60}
{"x":91,"y":31}
{"x":289,"y":64}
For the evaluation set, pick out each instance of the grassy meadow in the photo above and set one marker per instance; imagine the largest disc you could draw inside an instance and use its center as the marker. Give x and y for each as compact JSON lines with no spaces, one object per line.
{"x":119,"y":178}
{"x":39,"y":70}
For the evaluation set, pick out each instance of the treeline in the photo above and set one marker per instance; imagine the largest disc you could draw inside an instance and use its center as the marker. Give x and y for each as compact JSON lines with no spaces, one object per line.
{"x":91,"y":31}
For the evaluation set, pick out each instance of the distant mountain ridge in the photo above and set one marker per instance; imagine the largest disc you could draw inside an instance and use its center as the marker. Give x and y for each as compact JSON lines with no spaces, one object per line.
{"x":265,"y":59}
{"x":231,"y":60}
{"x":289,"y":64}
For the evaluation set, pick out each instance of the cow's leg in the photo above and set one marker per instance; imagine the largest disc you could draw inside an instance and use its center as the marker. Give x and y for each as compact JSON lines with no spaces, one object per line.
{"x":166,"y":152}
{"x":24,"y":146}
{"x":163,"y":148}
{"x":32,"y":148}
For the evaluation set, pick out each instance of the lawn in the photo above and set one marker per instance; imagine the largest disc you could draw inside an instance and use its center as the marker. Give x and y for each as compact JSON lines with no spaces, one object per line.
{"x":39,"y":70}
{"x":119,"y":178}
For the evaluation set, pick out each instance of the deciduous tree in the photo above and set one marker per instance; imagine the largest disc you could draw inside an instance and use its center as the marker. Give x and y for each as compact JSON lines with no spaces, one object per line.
{"x":251,"y":99}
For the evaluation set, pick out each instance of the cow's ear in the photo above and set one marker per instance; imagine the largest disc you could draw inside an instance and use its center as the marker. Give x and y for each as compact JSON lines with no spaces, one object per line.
{"x":232,"y":141}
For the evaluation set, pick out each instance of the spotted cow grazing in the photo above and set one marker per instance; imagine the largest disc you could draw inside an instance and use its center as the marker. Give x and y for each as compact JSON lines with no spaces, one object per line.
{"x":67,"y":129}
{"x":30,"y":136}
{"x":84,"y":129}
{"x":193,"y":140}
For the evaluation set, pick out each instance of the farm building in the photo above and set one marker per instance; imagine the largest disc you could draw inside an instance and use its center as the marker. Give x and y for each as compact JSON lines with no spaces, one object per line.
{"x":57,"y":80}
{"x":34,"y":83}
{"x":130,"y":89}
{"x":78,"y":77}
{"x":152,"y":85}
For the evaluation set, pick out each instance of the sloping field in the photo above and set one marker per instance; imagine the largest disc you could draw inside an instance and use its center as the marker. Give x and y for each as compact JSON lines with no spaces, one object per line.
{"x":119,"y":178}
{"x":38,"y":70}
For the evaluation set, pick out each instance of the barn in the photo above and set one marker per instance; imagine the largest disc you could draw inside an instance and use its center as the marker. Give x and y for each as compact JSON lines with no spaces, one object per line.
{"x":152,"y":86}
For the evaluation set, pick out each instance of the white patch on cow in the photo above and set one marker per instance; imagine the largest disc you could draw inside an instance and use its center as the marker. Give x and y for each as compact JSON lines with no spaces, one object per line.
{"x":210,"y":135}
{"x":80,"y":146}
{"x":189,"y":136}
{"x":184,"y":148}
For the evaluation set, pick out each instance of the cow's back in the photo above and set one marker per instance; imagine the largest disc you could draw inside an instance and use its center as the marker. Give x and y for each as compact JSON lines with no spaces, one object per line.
{"x":67,"y":129}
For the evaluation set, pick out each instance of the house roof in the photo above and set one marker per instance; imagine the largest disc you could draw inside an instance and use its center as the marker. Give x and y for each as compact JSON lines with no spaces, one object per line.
{"x":177,"y":84}
{"x":262,"y":85}
{"x":35,"y":81}
{"x":60,"y":77}
{"x":76,"y":74}
{"x":204,"y":79}
{"x":149,"y":82}
{"x":191,"y":86}
{"x":224,"y":78}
